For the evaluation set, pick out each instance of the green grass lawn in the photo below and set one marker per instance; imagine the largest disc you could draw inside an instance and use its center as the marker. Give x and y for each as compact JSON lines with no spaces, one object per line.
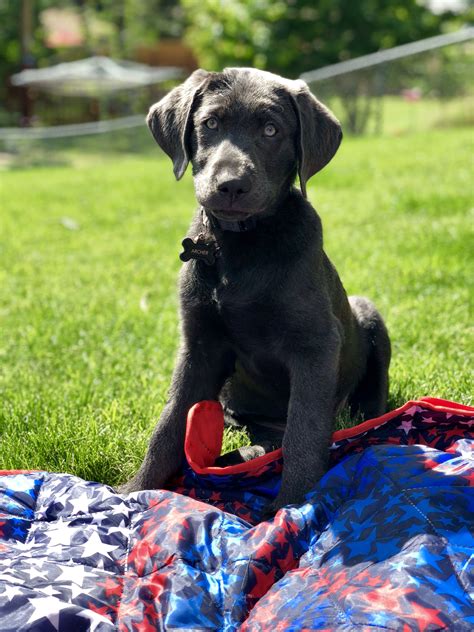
{"x":88,"y":307}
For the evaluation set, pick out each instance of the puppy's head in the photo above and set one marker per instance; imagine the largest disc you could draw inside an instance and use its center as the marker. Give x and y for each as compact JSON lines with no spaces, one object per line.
{"x":247,"y":134}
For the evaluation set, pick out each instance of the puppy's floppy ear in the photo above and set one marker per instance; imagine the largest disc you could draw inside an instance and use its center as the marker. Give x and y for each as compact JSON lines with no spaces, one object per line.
{"x":170,"y":120}
{"x":319,"y":133}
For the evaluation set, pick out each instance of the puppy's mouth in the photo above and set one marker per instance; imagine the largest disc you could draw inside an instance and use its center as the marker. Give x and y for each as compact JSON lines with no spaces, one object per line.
{"x":230,"y":214}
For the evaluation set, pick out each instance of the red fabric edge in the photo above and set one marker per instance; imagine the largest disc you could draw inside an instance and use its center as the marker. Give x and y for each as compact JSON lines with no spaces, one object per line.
{"x":444,"y":403}
{"x":432,"y":403}
{"x":203,"y":441}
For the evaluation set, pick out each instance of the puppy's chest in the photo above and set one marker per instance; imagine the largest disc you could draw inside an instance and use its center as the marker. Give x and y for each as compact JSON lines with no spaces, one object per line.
{"x":231,"y":295}
{"x":244,"y":302}
{"x":221,"y":294}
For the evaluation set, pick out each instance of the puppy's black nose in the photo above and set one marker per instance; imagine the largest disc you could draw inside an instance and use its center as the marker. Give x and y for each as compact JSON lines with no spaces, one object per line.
{"x":234,"y":187}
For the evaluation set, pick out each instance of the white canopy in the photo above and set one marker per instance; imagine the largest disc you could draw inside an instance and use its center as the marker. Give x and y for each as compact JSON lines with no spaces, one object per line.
{"x":93,"y":76}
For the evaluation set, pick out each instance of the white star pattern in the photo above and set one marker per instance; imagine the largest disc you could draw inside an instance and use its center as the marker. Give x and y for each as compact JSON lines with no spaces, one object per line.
{"x":10,"y":592}
{"x":36,"y":561}
{"x":94,"y":546}
{"x":406,"y":426}
{"x":9,"y":577}
{"x":36,"y":573}
{"x":47,"y":608}
{"x":48,"y":590}
{"x":39,"y":580}
{"x":75,"y":573}
{"x":58,"y":535}
{"x":80,"y":504}
{"x":124,"y":532}
{"x":97,"y":620}
{"x":72,"y":578}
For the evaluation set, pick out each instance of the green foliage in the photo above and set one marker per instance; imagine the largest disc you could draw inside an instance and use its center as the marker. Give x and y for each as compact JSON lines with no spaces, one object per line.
{"x":451,"y":76}
{"x":234,"y":32}
{"x":299,"y":35}
{"x":9,"y":40}
{"x":88,"y":308}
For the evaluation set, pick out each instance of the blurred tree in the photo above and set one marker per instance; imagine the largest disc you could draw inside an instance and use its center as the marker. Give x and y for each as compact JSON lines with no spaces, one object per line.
{"x":295,"y":36}
{"x":109,"y":27}
{"x":10,"y":45}
{"x":233,"y":32}
{"x":136,"y":22}
{"x":11,"y":50}
{"x":299,"y":35}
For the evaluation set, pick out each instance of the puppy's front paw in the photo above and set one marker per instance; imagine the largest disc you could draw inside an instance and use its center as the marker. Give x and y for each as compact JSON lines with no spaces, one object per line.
{"x":277,"y":504}
{"x":269,"y":511}
{"x":294,"y":495}
{"x":127,"y":488}
{"x":148,"y":479}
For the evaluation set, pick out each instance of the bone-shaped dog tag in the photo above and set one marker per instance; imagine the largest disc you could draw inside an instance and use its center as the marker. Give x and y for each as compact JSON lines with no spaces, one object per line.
{"x":199,"y":249}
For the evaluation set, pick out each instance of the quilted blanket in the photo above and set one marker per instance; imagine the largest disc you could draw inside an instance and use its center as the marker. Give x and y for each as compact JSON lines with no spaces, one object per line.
{"x":385,"y":541}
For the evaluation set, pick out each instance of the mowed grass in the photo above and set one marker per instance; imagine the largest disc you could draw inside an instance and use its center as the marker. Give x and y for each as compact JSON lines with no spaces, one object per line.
{"x":88,"y":305}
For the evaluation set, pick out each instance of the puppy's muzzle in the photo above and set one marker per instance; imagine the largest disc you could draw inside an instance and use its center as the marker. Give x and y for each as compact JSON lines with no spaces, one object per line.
{"x":231,"y":190}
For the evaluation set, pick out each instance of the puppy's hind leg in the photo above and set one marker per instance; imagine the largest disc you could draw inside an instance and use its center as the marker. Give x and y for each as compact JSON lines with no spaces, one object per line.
{"x":370,"y":395}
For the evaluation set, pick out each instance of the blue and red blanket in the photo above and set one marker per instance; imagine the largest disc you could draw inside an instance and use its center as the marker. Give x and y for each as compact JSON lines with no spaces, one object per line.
{"x":384,"y":542}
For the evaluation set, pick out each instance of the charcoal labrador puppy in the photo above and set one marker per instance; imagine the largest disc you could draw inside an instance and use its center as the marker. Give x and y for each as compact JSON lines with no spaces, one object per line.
{"x":266,"y":324}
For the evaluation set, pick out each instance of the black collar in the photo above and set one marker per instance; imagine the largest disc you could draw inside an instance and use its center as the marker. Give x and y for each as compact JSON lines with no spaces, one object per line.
{"x":207,"y":250}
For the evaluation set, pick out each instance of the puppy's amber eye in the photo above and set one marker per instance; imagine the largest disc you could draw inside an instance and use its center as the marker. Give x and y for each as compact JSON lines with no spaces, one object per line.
{"x":212,"y":123}
{"x":270,"y":129}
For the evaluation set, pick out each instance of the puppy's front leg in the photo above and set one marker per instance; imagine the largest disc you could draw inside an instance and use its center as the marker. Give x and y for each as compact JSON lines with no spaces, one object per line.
{"x":199,"y":374}
{"x":311,"y":410}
